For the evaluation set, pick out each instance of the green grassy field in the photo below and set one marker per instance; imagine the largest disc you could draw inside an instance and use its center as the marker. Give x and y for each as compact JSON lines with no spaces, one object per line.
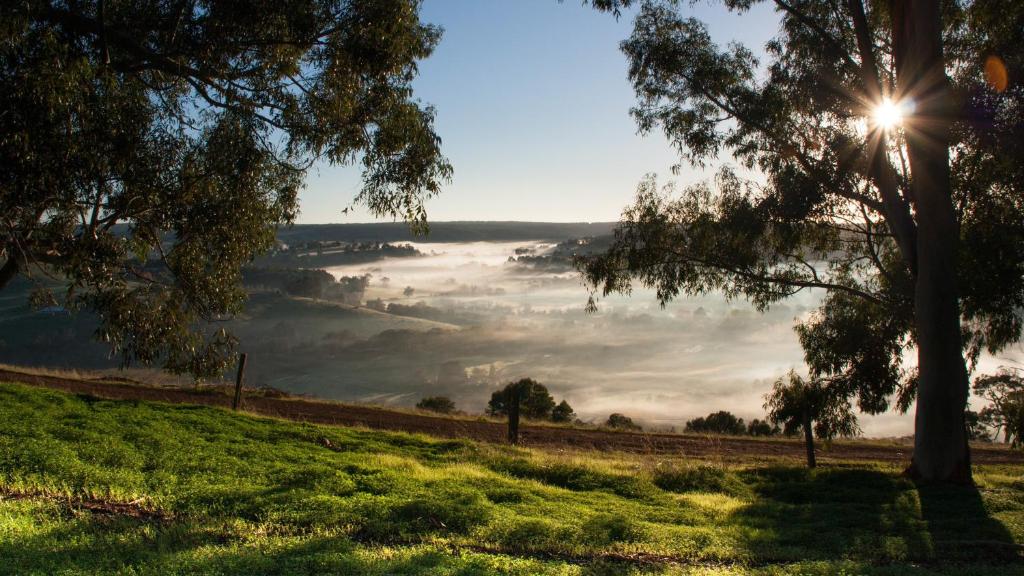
{"x":96,"y":486}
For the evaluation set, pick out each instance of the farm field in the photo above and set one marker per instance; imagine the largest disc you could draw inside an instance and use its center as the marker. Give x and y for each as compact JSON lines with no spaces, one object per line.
{"x":728,"y":448}
{"x":131,"y":486}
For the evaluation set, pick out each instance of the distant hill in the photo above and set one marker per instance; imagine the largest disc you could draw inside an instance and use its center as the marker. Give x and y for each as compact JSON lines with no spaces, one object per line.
{"x":444,"y":232}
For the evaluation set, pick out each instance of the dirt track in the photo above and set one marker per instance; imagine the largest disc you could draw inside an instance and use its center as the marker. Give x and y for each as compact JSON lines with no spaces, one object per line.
{"x":304,"y":410}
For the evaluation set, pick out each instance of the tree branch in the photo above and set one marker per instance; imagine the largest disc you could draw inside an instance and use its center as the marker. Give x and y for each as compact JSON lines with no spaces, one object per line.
{"x":821,"y":32}
{"x":795,"y":283}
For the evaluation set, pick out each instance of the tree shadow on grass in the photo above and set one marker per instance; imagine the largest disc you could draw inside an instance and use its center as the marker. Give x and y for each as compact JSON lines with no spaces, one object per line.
{"x":962,"y":527}
{"x":94,"y":544}
{"x":869,"y":516}
{"x":129,"y":546}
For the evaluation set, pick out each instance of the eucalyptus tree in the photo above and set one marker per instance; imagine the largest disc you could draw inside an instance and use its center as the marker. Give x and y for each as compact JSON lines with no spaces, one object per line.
{"x":882,"y":145}
{"x":150,"y":149}
{"x":813,"y":406}
{"x":1005,"y":393}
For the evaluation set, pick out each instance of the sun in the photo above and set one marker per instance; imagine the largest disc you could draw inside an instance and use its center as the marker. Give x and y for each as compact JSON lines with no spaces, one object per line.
{"x":888,"y":114}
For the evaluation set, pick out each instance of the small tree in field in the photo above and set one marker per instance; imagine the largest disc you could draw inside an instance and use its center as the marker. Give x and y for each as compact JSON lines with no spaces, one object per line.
{"x":621,"y":422}
{"x":562,"y":413}
{"x":439,"y":404}
{"x":1005,"y":391}
{"x":535,"y":402}
{"x":810,"y":405}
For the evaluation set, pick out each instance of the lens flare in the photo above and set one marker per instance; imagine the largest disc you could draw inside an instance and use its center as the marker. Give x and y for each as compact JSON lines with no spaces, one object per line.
{"x":888,"y":114}
{"x":996,"y":75}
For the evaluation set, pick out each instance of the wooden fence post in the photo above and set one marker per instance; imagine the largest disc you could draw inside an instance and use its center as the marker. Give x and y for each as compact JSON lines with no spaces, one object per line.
{"x":238,"y":381}
{"x":513,"y":416}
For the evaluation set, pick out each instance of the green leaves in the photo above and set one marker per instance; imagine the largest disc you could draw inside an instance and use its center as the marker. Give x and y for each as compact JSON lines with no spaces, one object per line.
{"x":828,"y":201}
{"x":794,"y":400}
{"x":152,"y":150}
{"x":534,"y":400}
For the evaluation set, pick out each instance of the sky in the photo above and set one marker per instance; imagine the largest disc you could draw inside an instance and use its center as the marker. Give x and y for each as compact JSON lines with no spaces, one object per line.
{"x":533,"y":102}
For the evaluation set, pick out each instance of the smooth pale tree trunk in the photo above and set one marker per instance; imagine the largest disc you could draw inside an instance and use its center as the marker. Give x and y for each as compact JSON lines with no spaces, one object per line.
{"x":940,"y":436}
{"x":809,"y":440}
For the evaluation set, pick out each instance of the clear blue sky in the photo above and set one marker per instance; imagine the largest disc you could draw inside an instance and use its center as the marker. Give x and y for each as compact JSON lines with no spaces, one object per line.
{"x":533,"y":110}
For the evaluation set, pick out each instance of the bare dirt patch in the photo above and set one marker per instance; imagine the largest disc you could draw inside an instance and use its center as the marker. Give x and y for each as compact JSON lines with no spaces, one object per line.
{"x":548,"y":437}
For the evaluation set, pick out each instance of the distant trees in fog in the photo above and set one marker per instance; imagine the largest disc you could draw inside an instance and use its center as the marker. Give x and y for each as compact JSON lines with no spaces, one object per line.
{"x":762,"y":428}
{"x":327,"y":253}
{"x":439,"y":404}
{"x":621,"y":422}
{"x":307,"y":283}
{"x":720,"y":422}
{"x":563,"y":413}
{"x":723,"y":422}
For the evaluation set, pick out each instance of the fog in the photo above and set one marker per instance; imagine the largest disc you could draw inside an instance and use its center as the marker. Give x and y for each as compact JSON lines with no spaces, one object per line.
{"x":462,"y":321}
{"x":659,"y":365}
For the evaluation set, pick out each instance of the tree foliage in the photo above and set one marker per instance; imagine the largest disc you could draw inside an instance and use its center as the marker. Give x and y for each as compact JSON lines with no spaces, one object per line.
{"x":439,"y":404}
{"x":810,"y":223}
{"x":1005,"y":412}
{"x":619,"y":421}
{"x":721,"y":422}
{"x":837,"y":203}
{"x":535,"y":402}
{"x":977,"y":429}
{"x":794,"y":402}
{"x":151,"y":149}
{"x":563,"y":413}
{"x":758,"y":427}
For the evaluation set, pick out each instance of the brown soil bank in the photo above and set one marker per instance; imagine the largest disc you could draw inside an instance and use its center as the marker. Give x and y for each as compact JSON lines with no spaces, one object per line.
{"x":305,"y":410}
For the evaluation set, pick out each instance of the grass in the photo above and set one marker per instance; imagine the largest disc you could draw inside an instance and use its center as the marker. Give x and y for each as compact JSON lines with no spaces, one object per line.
{"x":97,"y":486}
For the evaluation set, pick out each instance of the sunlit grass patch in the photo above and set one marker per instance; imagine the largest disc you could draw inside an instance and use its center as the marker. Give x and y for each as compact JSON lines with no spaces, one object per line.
{"x":712,"y":503}
{"x":700,"y":478}
{"x":573,"y":475}
{"x":221,"y":492}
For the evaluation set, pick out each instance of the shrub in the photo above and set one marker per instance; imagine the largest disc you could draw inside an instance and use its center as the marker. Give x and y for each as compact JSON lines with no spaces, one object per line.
{"x":563,"y":413}
{"x":621,"y":422}
{"x":720,"y":422}
{"x":439,"y":404}
{"x":762,"y":428}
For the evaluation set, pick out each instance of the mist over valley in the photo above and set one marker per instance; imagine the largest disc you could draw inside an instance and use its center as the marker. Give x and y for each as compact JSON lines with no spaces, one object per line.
{"x":369,"y":313}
